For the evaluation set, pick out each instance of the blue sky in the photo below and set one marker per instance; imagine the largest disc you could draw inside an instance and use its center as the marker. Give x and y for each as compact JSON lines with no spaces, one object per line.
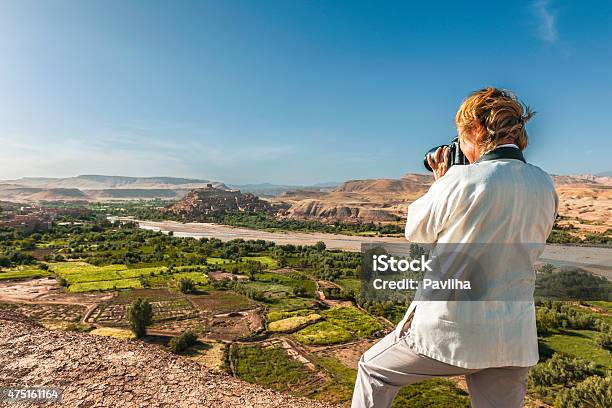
{"x":291,"y":91}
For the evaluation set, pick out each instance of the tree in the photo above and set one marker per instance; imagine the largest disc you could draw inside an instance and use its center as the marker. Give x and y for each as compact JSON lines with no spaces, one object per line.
{"x":416,"y":251}
{"x":186,"y":285}
{"x":282,"y":261}
{"x":299,"y":291}
{"x":140,"y":315}
{"x":320,"y":246}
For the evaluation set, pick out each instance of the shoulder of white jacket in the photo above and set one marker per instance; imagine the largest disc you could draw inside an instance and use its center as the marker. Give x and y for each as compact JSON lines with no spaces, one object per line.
{"x":545,"y":177}
{"x":454,"y":175}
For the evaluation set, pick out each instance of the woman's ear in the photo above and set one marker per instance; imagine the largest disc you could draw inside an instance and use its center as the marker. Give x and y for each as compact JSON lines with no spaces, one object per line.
{"x":467,"y":144}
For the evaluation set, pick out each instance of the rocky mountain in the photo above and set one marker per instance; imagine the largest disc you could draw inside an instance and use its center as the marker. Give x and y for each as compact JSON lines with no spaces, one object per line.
{"x":585,"y":201}
{"x":100,"y":182}
{"x":99,"y":187}
{"x":371,"y":200}
{"x":210,"y":200}
{"x":106,"y":372}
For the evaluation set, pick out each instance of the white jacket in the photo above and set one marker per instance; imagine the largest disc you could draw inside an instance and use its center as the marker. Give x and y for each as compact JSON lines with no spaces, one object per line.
{"x":503,"y":202}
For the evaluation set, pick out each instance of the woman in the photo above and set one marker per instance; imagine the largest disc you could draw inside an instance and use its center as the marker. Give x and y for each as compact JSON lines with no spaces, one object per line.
{"x":505,"y":208}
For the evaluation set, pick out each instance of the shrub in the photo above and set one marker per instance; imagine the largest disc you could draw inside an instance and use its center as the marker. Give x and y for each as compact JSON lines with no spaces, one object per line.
{"x":561,"y":369}
{"x":179,"y":344}
{"x":594,"y":392}
{"x":554,"y":315}
{"x":61,"y":281}
{"x":77,"y":327}
{"x":604,"y":340}
{"x":562,"y":237}
{"x":140,"y":315}
{"x":299,"y":291}
{"x":186,"y":285}
{"x":571,"y":284}
{"x":547,"y":320}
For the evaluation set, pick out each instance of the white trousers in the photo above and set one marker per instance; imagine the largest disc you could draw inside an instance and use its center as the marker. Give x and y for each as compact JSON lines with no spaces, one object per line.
{"x":391,"y":364}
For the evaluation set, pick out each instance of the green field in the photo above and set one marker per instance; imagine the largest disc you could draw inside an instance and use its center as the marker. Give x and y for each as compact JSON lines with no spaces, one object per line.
{"x":22,"y":272}
{"x":578,"y":343}
{"x":438,"y":392}
{"x":600,"y":304}
{"x":349,"y":284}
{"x":199,"y":278}
{"x":292,"y":323}
{"x":217,"y":261}
{"x":274,"y":316}
{"x":291,"y":304}
{"x":266,"y":261}
{"x":105,"y":285}
{"x":353,"y":320}
{"x":431,"y":393}
{"x":222,"y":301}
{"x":271,"y":367}
{"x":323,"y":333}
{"x":292,"y":280}
{"x":83,"y":277}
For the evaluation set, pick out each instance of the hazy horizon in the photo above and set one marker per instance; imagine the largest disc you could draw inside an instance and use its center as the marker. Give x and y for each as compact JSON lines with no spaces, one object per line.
{"x":290,"y":93}
{"x":260,"y":182}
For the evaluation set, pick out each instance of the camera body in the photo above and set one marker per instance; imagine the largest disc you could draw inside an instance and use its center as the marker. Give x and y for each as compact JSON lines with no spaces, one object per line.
{"x":455,"y":155}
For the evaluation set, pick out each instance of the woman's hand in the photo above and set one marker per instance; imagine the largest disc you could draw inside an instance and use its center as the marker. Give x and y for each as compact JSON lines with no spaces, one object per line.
{"x":438,"y":162}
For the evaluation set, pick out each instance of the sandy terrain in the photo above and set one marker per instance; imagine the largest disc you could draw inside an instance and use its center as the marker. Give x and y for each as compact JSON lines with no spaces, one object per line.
{"x":45,"y":290}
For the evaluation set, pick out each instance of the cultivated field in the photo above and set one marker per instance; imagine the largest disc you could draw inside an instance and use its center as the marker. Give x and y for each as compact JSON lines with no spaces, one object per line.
{"x":289,"y":317}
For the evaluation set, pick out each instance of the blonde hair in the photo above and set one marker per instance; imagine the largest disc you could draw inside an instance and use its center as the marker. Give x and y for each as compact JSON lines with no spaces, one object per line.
{"x":495,"y":115}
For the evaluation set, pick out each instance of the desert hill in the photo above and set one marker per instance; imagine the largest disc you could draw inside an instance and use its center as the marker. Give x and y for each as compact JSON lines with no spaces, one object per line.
{"x":105,"y":372}
{"x":585,"y":201}
{"x":99,"y":182}
{"x":408,"y":184}
{"x":370,"y":200}
{"x":99,"y":187}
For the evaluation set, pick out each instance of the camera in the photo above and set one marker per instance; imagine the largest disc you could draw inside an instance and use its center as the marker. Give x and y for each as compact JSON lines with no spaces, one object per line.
{"x":455,"y":155}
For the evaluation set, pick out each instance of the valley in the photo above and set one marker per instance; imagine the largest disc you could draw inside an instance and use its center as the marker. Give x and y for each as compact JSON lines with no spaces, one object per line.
{"x":269,"y":287}
{"x":282,"y":310}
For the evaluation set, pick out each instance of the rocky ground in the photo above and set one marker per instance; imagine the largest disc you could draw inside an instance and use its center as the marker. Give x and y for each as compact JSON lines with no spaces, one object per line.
{"x":105,"y":372}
